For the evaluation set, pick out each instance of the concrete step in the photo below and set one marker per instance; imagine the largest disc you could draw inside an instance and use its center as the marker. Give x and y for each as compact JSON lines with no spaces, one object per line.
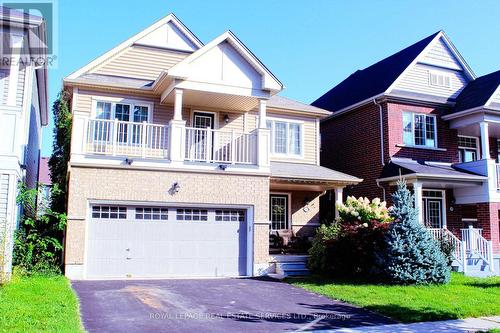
{"x":291,"y":265}
{"x":293,"y":272}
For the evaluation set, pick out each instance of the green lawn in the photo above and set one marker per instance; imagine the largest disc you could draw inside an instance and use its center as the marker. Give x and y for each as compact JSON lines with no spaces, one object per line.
{"x":463,"y":297}
{"x":39,"y":304}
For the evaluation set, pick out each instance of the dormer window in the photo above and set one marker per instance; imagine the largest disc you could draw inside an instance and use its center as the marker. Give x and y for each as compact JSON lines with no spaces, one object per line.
{"x":439,"y":79}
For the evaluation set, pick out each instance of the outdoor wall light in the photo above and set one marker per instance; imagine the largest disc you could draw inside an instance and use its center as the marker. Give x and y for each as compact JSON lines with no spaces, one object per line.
{"x":174,"y":188}
{"x":226,"y":119}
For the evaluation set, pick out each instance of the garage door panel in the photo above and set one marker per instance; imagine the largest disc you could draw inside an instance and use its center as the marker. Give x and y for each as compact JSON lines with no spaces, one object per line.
{"x":166,"y":248}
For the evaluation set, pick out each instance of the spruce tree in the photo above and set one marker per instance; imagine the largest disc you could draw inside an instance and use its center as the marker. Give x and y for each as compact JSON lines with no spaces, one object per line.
{"x":409,"y":254}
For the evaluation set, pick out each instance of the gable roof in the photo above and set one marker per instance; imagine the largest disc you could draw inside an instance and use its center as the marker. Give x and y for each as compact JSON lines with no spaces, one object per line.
{"x":477,"y":92}
{"x":169,"y":18}
{"x":373,"y":80}
{"x":379,"y":79}
{"x":270,"y":81}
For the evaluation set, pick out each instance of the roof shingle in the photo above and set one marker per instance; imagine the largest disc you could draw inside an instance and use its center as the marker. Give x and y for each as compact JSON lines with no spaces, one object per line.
{"x":371,"y":81}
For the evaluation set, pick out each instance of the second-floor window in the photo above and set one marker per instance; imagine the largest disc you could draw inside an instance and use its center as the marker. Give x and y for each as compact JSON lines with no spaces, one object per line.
{"x":467,"y":148}
{"x":286,"y":137}
{"x":419,"y":129}
{"x":127,"y":114}
{"x":121,"y":111}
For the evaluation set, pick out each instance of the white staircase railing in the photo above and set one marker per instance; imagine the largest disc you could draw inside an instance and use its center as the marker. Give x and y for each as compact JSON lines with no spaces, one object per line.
{"x":476,"y":244}
{"x":459,"y":247}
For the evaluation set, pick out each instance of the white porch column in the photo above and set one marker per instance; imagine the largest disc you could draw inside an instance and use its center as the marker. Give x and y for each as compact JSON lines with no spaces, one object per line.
{"x":178,"y":104}
{"x":485,"y":140}
{"x":263,"y":136}
{"x":417,"y":192}
{"x":338,"y":199}
{"x":262,"y":113}
{"x":177,"y":130}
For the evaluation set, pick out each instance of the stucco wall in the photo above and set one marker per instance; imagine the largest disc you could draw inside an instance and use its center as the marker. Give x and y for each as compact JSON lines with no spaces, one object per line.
{"x":126,"y":184}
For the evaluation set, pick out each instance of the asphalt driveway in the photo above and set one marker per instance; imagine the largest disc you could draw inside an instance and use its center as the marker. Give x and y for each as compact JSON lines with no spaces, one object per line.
{"x":212,"y":305}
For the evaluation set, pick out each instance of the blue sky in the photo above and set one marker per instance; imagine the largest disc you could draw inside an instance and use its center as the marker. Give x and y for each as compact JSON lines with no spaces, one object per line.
{"x":309,"y":45}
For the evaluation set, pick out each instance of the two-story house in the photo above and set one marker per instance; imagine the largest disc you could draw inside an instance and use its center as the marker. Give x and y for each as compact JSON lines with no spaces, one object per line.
{"x":184,"y":159}
{"x":423,"y":115}
{"x":23,"y":112}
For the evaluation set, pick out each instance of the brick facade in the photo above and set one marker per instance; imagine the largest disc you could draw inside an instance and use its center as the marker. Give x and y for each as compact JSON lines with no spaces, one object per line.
{"x":128,"y":185}
{"x":351,"y":144}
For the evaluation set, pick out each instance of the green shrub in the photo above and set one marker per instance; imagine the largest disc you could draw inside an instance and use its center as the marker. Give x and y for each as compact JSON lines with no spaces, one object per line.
{"x":409,"y":254}
{"x":319,"y":256}
{"x":347,"y":248}
{"x":38,"y":241}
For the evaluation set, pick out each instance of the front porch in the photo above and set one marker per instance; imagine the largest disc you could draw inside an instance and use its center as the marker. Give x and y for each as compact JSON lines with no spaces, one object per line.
{"x":294,"y":204}
{"x":447,"y":204}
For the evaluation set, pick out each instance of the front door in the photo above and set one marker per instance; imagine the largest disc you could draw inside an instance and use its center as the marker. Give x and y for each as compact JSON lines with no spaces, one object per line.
{"x":433,"y":202}
{"x":278,"y":211}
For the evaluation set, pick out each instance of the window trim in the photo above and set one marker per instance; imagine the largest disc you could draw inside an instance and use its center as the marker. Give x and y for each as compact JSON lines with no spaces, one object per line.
{"x":271,"y":138}
{"x":288,"y":212}
{"x":468,"y":148}
{"x":113,"y":101}
{"x":424,"y":128}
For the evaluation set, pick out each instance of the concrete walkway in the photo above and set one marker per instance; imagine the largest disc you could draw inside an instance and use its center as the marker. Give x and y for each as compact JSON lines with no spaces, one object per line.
{"x":464,"y":325}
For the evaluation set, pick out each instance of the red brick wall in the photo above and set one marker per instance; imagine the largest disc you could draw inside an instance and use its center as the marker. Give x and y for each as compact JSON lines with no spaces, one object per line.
{"x":488,"y":219}
{"x":351,"y":144}
{"x":446,"y":137}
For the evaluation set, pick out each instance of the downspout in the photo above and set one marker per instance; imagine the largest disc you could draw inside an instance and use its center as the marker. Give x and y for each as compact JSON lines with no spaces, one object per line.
{"x":381,"y":120}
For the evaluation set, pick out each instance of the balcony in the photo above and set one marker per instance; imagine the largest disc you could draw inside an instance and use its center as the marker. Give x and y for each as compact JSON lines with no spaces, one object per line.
{"x":219,"y":146}
{"x":152,"y":141}
{"x":119,"y":138}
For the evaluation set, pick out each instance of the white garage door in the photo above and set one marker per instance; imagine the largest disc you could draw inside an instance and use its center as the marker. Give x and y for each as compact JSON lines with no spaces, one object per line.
{"x":148,"y":242}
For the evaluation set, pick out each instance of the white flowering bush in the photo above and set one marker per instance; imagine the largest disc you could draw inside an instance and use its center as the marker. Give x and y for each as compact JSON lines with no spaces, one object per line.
{"x":362,"y":211}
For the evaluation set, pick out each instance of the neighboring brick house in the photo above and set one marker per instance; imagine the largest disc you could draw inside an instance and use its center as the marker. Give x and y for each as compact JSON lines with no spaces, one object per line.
{"x":23,"y":112}
{"x":423,"y":115}
{"x":184,"y":159}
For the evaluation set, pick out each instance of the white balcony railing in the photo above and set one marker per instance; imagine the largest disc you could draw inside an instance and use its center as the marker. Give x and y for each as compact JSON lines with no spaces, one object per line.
{"x":121,"y":138}
{"x":220,"y":146}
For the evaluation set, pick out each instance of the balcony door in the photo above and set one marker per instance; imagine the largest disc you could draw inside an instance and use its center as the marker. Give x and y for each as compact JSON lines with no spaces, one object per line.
{"x":202,"y":140}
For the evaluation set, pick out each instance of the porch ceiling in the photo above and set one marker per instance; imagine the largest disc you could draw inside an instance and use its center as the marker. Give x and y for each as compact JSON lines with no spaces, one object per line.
{"x":211,"y":100}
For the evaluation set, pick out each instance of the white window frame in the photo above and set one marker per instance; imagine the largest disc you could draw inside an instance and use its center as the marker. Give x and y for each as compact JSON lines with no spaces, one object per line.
{"x":130,"y":102}
{"x":444,"y":76}
{"x":413,"y":144}
{"x":469,"y":148}
{"x":288,"y":154}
